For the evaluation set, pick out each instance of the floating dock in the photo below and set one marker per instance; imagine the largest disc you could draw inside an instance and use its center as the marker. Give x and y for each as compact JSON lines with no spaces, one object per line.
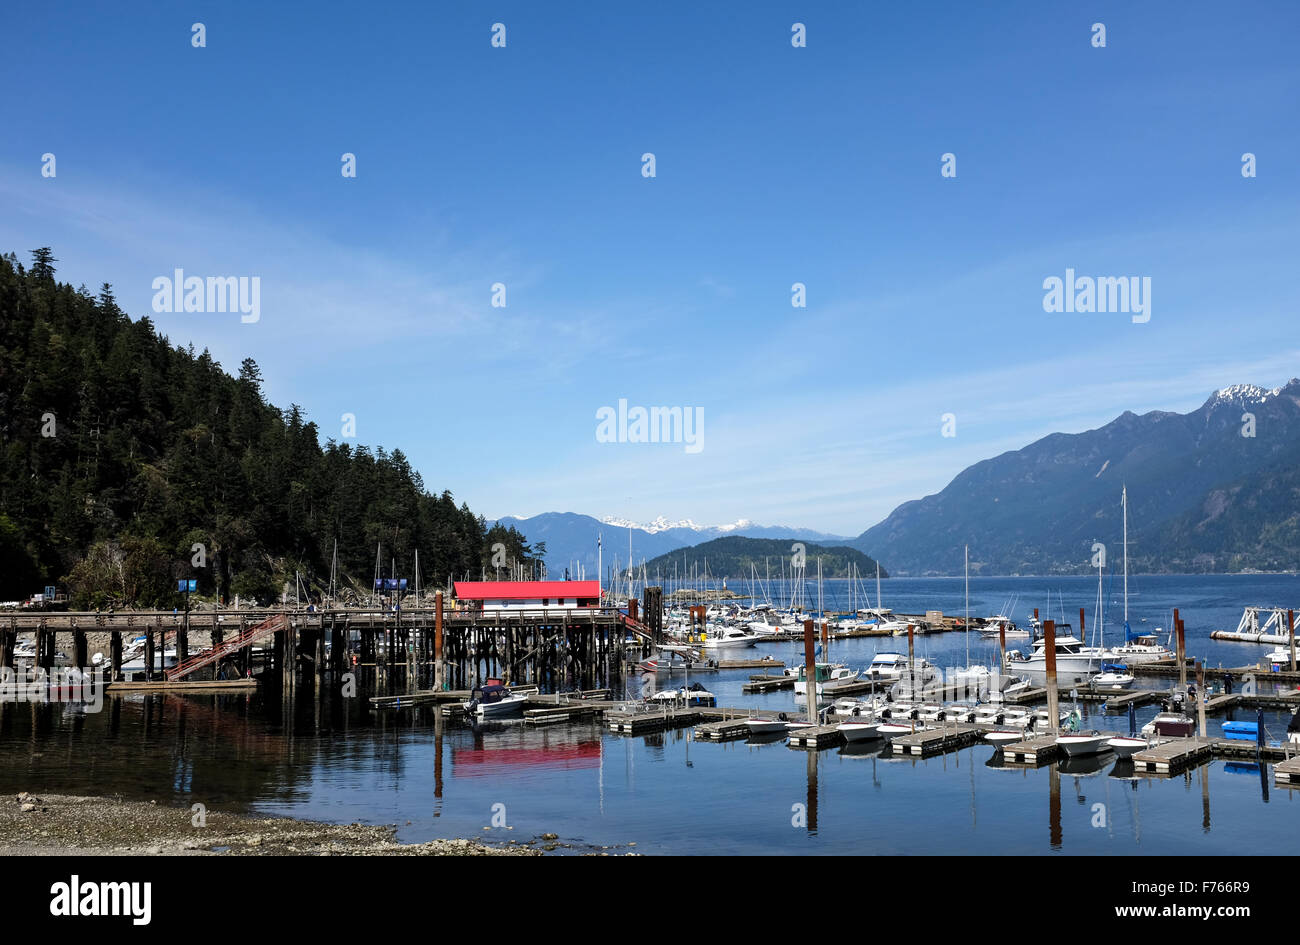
{"x":936,"y":741}
{"x":1173,"y":755}
{"x":816,"y":737}
{"x":1287,"y":773}
{"x":1032,"y":751}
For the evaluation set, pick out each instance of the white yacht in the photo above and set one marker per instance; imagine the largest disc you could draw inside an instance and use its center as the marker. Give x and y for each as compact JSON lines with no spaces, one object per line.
{"x":1072,"y":656}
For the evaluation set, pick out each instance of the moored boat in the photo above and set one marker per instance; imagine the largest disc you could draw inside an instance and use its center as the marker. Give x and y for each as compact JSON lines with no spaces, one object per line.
{"x":1082,"y":743}
{"x":494,"y":701}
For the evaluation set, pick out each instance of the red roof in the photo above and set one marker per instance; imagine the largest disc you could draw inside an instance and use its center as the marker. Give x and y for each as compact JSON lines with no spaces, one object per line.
{"x":526,"y":590}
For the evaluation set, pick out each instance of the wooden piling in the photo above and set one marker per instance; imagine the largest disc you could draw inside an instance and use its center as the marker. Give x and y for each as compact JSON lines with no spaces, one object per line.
{"x":810,"y":671}
{"x":438,"y":682}
{"x":1182,"y":652}
{"x":1049,"y":653}
{"x":1290,"y":623}
{"x":1200,"y":695}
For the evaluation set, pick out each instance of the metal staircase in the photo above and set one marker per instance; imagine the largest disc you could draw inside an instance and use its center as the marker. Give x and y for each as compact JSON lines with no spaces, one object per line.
{"x":226,"y":647}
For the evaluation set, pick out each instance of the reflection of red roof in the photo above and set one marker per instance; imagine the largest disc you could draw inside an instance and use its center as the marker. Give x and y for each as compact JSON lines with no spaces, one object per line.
{"x":478,"y":761}
{"x":526,"y":590}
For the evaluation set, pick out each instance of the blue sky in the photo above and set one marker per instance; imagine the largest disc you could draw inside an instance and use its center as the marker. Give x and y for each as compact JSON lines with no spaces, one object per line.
{"x":775,"y":165}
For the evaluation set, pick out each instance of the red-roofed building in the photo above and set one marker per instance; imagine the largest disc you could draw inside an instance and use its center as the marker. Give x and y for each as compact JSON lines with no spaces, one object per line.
{"x":528,"y":595}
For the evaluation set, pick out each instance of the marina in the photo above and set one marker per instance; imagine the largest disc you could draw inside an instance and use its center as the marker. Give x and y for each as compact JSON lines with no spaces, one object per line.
{"x":754,"y":712}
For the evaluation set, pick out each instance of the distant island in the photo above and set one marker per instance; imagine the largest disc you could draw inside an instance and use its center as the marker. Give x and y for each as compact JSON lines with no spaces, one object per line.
{"x":737,"y":557}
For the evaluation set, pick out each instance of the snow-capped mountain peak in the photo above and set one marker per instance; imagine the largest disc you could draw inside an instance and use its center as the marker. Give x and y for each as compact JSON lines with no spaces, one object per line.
{"x":1242,"y":394}
{"x":661,"y":524}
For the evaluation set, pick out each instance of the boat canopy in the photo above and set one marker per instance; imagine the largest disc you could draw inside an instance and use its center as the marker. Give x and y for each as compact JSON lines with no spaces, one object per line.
{"x":1114,"y":668}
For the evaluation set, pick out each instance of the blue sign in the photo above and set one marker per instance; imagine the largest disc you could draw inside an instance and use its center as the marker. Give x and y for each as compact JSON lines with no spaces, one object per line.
{"x":187,"y":586}
{"x":390,"y":584}
{"x":49,"y":592}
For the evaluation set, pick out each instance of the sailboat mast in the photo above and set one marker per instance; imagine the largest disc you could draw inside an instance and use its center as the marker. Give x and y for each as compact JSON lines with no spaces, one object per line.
{"x":966,"y":624}
{"x":1124,"y":501}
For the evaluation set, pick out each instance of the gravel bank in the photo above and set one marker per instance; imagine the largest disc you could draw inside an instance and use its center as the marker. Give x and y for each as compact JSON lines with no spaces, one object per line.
{"x":57,"y":824}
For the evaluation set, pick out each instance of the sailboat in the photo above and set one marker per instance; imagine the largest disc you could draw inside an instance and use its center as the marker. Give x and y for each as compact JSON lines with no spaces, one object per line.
{"x":971,"y":677}
{"x":1137,"y":647}
{"x":1112,"y":675}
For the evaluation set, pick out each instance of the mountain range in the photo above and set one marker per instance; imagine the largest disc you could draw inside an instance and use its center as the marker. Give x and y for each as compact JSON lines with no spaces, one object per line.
{"x":1213,"y":490}
{"x":1216,"y":489}
{"x":571,"y":538}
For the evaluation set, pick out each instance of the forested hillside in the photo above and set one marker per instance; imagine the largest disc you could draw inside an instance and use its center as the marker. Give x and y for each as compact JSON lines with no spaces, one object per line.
{"x":119,"y":452}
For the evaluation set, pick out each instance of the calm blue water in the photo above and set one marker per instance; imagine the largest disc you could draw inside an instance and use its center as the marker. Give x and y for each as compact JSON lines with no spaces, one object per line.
{"x":669,"y":794}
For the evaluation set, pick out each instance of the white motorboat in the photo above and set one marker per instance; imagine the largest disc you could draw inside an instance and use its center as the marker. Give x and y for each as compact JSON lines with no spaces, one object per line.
{"x":694,"y":695}
{"x":765,"y":726}
{"x":1004,"y":736}
{"x":1042,"y":721}
{"x":892,"y":668}
{"x":959,"y":712}
{"x":494,"y":701}
{"x":1000,"y":626}
{"x":898,"y":628}
{"x":990,"y":715}
{"x":859,"y":730}
{"x":1126,"y":746}
{"x":894,"y":728}
{"x":1083,"y":743}
{"x":899,"y":711}
{"x":1017,"y":718}
{"x":856,"y":708}
{"x":929,"y":712}
{"x":729,"y":638}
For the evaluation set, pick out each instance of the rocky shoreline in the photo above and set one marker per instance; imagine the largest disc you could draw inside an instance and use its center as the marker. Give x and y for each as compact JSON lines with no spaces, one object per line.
{"x":65,"y":825}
